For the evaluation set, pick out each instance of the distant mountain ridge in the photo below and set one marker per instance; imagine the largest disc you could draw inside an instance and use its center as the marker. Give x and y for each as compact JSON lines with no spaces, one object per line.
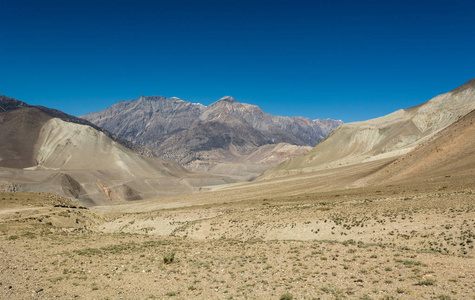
{"x":193,"y":134}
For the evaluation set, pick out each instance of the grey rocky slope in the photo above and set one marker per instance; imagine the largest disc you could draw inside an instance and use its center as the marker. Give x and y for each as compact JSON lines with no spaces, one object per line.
{"x":206,"y":138}
{"x":46,"y":150}
{"x":386,"y":137}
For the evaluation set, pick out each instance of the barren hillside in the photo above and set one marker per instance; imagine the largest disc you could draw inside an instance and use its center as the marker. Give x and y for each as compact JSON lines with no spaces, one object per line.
{"x":450,"y":152}
{"x":386,"y":137}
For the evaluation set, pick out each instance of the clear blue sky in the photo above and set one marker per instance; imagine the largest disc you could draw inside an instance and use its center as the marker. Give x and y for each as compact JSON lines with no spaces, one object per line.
{"x":350,"y":60}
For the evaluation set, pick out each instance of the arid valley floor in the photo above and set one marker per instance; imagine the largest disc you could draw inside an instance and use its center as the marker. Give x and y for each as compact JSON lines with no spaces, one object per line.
{"x":407,"y":240}
{"x":217,"y":150}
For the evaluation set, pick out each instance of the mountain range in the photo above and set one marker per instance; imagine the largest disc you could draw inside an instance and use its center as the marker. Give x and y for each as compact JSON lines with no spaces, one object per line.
{"x":225,"y":138}
{"x":46,"y":150}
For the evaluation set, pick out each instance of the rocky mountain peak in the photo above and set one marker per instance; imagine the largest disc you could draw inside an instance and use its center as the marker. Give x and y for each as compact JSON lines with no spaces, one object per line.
{"x":200,"y":137}
{"x":154,"y":98}
{"x":226,"y":103}
{"x":228,"y":99}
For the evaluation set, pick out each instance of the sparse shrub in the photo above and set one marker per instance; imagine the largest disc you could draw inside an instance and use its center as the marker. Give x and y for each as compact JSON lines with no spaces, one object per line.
{"x":411,"y":263}
{"x":349,"y":242}
{"x":169,"y":258}
{"x":426,"y":282}
{"x":29,"y":234}
{"x":286,"y":296}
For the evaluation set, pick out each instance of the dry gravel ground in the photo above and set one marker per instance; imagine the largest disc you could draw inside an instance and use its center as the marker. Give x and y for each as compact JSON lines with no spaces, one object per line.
{"x":406,"y":241}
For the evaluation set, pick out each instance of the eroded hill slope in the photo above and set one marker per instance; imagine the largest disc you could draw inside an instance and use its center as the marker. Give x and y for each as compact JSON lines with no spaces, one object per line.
{"x":450,"y":152}
{"x":390,"y":136}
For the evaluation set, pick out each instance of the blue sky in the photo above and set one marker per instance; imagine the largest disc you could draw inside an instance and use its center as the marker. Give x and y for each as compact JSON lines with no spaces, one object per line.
{"x":349,"y":60}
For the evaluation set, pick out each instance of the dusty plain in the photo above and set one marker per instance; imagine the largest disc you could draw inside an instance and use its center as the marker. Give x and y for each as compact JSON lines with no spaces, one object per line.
{"x":406,"y":240}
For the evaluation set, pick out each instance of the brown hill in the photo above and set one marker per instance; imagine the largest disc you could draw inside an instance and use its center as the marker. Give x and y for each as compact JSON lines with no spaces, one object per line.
{"x":20,"y":131}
